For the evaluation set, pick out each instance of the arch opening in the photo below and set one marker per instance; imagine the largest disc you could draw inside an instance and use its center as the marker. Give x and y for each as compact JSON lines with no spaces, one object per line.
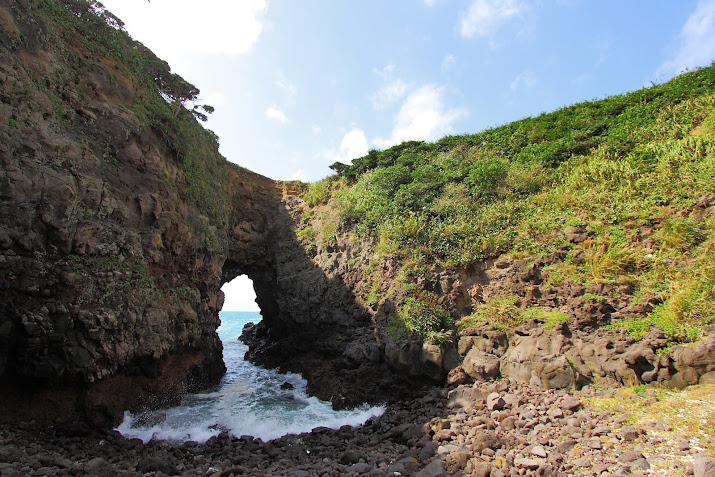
{"x":239,"y":295}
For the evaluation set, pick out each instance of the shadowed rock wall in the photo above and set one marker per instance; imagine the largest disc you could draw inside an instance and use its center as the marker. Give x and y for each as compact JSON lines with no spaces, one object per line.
{"x":111,"y":263}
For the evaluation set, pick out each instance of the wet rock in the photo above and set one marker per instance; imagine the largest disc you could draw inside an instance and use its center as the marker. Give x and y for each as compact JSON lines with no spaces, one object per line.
{"x":350,"y":456}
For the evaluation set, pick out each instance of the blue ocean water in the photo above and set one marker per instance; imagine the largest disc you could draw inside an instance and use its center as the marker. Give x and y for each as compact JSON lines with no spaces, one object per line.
{"x":248,"y":401}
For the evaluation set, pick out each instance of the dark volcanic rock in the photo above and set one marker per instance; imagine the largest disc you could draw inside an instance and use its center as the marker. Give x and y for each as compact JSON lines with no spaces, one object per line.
{"x":120,"y":223}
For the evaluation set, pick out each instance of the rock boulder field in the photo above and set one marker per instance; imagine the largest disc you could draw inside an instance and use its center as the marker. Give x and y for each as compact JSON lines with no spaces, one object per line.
{"x":486,"y":429}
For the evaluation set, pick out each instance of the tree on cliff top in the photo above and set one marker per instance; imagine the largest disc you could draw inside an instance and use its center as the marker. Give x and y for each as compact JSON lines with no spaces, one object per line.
{"x":173,"y":88}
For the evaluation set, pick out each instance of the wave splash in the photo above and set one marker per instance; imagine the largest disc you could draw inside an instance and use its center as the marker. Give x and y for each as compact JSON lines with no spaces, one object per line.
{"x":249,"y":401}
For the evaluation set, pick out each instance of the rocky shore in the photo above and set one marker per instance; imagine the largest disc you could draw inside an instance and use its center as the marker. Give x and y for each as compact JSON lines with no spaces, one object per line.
{"x":498,"y":428}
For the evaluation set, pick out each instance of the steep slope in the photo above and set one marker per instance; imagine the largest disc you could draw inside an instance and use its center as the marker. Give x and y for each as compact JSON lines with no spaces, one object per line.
{"x":566,"y":249}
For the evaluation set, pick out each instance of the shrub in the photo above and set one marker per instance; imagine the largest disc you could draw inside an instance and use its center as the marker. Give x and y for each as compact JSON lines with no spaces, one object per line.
{"x":486,"y":175}
{"x":500,"y":311}
{"x":422,"y":314}
{"x":550,"y":317}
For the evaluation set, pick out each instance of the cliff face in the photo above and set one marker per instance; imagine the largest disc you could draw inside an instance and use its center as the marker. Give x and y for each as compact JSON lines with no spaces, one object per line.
{"x":107,"y":272}
{"x":118,"y":227}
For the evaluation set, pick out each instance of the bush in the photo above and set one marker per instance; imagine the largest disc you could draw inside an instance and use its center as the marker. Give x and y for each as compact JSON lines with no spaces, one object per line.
{"x":423,"y":315}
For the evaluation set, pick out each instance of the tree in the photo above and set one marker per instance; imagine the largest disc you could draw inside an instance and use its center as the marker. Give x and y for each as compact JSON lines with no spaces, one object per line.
{"x":173,"y":88}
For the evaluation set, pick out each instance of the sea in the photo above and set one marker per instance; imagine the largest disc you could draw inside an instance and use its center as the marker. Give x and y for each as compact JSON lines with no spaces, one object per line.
{"x":249,"y":400}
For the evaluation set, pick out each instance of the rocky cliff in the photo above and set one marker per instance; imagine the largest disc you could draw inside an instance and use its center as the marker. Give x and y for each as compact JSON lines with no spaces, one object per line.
{"x":120,"y":221}
{"x":119,"y":224}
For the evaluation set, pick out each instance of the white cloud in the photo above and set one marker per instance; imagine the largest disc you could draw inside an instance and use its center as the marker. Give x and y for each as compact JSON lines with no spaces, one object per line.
{"x":316,"y":129}
{"x":696,"y":41}
{"x":276,"y":114}
{"x":385,"y":73}
{"x":299,"y":175}
{"x":525,"y":80}
{"x":430,"y":3}
{"x":449,"y":62}
{"x":353,"y":145}
{"x":288,"y":88}
{"x":484,"y":17}
{"x":389,"y":94}
{"x":173,"y":28}
{"x":422,"y":116}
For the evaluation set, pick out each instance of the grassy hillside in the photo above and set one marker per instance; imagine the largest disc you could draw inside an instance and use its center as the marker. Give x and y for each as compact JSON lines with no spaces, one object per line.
{"x":634,"y":172}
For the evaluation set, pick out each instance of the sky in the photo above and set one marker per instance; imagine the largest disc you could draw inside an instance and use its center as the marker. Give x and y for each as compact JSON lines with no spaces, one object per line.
{"x":299,"y":85}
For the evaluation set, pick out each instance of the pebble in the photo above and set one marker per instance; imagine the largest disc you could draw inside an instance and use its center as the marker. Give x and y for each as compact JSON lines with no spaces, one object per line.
{"x":516,"y":430}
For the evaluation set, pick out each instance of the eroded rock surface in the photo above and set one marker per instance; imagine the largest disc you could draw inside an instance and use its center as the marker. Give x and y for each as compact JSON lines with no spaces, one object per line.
{"x":118,"y":227}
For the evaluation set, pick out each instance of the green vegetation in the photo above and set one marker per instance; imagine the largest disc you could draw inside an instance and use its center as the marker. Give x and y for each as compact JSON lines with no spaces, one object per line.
{"x":550,"y":317}
{"x":690,"y":411}
{"x":422,"y":314}
{"x":164,"y":101}
{"x":631,"y":168}
{"x":501,"y":311}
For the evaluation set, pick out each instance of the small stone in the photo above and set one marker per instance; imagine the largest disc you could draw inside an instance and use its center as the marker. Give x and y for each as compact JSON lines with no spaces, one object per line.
{"x":704,"y":467}
{"x":630,"y":456}
{"x":539,"y":451}
{"x":640,"y":464}
{"x":495,"y":402}
{"x":350,"y":456}
{"x":630,"y":433}
{"x":483,"y":470}
{"x":428,"y":451}
{"x":509,"y":423}
{"x":594,"y":444}
{"x":445,"y":435}
{"x":360,"y":468}
{"x":570,"y":404}
{"x":582,"y":462}
{"x":433,"y":469}
{"x":531,"y":464}
{"x":546,"y":470}
{"x":555,"y":458}
{"x":566,"y":445}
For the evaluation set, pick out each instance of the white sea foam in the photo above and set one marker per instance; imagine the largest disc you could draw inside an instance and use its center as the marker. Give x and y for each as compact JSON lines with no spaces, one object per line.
{"x":249,"y":401}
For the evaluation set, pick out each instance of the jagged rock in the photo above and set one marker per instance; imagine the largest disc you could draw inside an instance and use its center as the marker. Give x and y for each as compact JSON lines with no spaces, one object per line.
{"x":692,"y":362}
{"x":433,"y":469}
{"x":480,"y":365}
{"x":577,"y":233}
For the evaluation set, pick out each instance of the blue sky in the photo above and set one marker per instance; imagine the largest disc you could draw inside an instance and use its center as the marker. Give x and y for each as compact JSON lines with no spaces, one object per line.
{"x":298,"y":85}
